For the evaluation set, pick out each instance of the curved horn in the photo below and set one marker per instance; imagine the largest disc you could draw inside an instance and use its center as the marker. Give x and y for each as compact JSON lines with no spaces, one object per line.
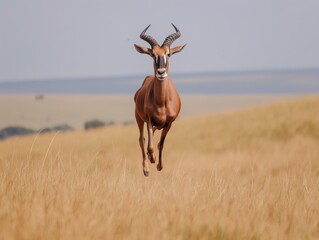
{"x":148,"y":38}
{"x":171,"y":38}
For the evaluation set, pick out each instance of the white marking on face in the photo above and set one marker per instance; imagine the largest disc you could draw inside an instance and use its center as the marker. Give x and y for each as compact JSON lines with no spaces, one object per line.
{"x":155,"y":54}
{"x":161,"y":74}
{"x":161,"y":77}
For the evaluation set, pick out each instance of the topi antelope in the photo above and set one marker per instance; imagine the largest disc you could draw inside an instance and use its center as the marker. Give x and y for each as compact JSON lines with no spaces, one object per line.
{"x":157,"y":102}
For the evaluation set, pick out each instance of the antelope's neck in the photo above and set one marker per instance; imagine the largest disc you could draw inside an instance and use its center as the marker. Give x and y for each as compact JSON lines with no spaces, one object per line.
{"x":161,"y":91}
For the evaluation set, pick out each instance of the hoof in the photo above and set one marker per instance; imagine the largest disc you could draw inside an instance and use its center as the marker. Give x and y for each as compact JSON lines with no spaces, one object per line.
{"x":159,"y":167}
{"x":146,"y":173}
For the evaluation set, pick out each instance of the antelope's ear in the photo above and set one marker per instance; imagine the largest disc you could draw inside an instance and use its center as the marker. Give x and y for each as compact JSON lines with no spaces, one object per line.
{"x":177,"y":49}
{"x":144,"y":50}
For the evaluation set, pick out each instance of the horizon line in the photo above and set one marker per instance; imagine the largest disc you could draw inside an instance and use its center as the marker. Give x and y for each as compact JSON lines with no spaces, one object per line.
{"x":178,"y":74}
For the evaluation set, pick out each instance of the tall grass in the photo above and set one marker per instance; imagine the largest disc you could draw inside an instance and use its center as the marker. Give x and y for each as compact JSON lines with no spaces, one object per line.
{"x":250,"y":174}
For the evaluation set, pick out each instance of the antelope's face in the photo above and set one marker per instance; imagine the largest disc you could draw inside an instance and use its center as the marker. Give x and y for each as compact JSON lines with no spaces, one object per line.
{"x":161,"y":58}
{"x":160,"y":54}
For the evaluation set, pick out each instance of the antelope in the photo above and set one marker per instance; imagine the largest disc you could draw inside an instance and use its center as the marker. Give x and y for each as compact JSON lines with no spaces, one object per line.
{"x":157,"y":102}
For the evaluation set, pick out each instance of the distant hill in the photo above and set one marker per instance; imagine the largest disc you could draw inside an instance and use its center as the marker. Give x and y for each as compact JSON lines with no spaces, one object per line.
{"x":38,"y":111}
{"x":258,"y":82}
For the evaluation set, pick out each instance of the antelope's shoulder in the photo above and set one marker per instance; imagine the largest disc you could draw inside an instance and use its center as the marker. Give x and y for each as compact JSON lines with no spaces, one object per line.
{"x":145,"y":85}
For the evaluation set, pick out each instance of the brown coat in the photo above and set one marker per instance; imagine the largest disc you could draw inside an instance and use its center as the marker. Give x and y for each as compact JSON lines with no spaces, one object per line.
{"x":157,"y":102}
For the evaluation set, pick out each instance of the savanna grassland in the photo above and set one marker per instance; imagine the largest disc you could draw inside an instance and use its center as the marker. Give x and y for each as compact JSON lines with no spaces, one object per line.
{"x":246,"y":174}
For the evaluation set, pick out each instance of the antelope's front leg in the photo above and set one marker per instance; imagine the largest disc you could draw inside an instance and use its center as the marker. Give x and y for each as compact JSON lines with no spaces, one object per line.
{"x":140,"y":124}
{"x":161,"y":146}
{"x":150,"y":147}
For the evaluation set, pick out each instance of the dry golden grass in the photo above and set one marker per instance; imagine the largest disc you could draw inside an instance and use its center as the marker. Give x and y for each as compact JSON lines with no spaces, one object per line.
{"x":250,"y":174}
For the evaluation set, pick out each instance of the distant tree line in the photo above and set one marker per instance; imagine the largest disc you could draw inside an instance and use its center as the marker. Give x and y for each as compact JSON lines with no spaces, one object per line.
{"x":14,"y":131}
{"x":96,"y":124}
{"x":19,"y":131}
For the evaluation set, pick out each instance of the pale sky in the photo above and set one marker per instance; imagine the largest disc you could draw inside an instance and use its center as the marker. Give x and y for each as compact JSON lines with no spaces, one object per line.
{"x":42,"y":39}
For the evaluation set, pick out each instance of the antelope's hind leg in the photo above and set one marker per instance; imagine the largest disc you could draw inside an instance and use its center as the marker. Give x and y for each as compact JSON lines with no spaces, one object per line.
{"x":140,"y":124}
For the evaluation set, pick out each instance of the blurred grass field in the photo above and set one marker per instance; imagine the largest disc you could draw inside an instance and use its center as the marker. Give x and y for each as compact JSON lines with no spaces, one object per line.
{"x":244,"y":174}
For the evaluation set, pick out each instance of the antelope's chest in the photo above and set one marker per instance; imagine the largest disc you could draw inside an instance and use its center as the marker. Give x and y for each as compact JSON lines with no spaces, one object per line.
{"x":161,"y":117}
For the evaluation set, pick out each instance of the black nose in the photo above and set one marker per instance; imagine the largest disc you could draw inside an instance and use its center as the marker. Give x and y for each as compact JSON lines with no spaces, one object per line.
{"x":161,"y":71}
